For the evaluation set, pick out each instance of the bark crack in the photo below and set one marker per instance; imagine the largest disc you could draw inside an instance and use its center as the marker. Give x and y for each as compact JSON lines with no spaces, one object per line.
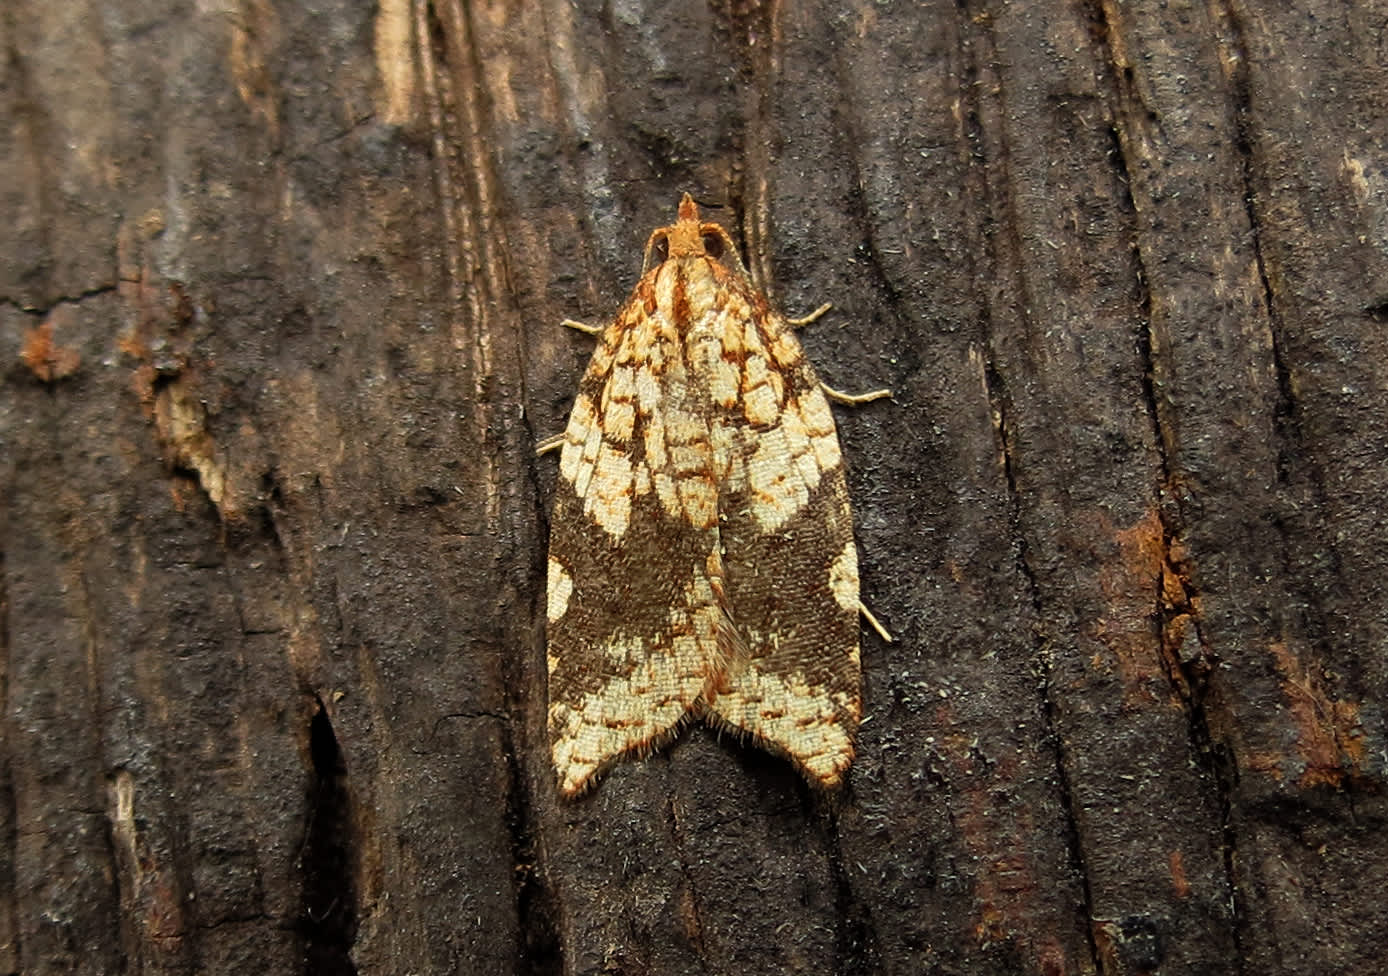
{"x":46,"y":310}
{"x":8,"y":798}
{"x":997,"y":396}
{"x":1287,"y":413}
{"x":857,"y":935}
{"x":1185,"y":653}
{"x":328,"y":858}
{"x":695,"y":927}
{"x":540,"y":949}
{"x":990,"y":174}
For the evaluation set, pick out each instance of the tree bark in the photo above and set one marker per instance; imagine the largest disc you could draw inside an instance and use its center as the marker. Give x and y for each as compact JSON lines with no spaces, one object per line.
{"x":280,"y":304}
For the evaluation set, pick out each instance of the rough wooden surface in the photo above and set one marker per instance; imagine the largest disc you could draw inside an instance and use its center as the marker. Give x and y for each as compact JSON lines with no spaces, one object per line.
{"x":279,"y":303}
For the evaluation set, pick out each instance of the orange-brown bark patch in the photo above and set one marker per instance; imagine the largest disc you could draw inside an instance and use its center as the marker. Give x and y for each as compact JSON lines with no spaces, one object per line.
{"x":44,"y":357}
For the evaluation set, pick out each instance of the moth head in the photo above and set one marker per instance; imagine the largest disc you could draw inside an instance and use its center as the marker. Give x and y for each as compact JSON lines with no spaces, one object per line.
{"x":688,"y":237}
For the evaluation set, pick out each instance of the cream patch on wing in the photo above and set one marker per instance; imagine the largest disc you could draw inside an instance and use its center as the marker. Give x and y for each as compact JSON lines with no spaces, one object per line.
{"x":762,"y":392}
{"x":843,"y":577}
{"x":680,"y":457}
{"x":619,"y":404}
{"x":775,"y":446}
{"x":576,"y":436}
{"x":558,"y":589}
{"x":809,"y":722}
{"x":628,"y":712}
{"x":787,"y":461}
{"x":660,"y":680}
{"x":610,"y":489}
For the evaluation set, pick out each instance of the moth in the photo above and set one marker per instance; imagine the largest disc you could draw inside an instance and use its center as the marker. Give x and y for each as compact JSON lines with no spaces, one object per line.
{"x":701,"y":556}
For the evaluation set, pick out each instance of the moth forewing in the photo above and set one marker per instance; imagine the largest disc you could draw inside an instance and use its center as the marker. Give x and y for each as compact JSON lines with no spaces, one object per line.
{"x":701,"y":559}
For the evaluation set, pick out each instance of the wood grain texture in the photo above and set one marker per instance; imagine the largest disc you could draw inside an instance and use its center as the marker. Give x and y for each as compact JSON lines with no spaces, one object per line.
{"x":279,"y":319}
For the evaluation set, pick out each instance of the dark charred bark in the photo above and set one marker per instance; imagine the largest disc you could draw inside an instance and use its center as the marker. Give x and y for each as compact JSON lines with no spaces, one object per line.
{"x":279,"y":312}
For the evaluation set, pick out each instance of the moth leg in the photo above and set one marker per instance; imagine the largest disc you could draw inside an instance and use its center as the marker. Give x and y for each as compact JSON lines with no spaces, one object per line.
{"x":557,"y":441}
{"x":591,"y":330}
{"x":872,"y":622}
{"x":853,"y":399}
{"x":797,"y":323}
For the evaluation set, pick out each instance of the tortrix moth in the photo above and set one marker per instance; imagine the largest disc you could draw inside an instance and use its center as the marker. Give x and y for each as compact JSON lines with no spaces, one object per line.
{"x":701,"y":554}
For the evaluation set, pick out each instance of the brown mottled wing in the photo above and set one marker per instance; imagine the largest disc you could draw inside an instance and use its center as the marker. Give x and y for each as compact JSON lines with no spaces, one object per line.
{"x":701,"y":551}
{"x":631,"y":616}
{"x":790,"y":564}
